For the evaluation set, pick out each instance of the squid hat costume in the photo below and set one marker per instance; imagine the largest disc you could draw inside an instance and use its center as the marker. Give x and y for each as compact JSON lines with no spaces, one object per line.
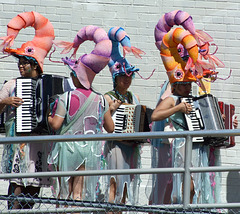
{"x":88,"y":65}
{"x":180,"y":48}
{"x":118,"y":64}
{"x":41,"y":44}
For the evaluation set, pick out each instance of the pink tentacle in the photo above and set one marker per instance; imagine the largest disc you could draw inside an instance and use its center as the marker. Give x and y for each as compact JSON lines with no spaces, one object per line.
{"x":126,"y":73}
{"x":50,"y":56}
{"x":215,"y":49}
{"x":230,"y":73}
{"x":146,"y":78}
{"x":63,"y":44}
{"x":7,"y":42}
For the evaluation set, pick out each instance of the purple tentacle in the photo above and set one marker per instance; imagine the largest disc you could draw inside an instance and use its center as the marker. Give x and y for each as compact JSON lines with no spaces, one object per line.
{"x":184,"y":19}
{"x":88,"y":65}
{"x":168,"y":20}
{"x":99,"y":57}
{"x":170,"y":17}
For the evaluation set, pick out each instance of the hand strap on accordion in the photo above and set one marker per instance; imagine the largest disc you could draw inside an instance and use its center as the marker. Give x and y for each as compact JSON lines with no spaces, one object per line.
{"x":83,"y":108}
{"x":179,"y":124}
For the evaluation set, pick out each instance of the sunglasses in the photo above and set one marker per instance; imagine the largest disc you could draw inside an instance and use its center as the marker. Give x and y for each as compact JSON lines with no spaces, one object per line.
{"x":23,"y":63}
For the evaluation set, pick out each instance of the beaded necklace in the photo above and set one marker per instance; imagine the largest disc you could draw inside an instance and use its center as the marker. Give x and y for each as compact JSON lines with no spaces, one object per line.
{"x":124,"y":98}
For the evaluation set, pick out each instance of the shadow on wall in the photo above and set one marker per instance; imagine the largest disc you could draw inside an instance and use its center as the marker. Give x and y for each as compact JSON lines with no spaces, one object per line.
{"x":233,"y":188}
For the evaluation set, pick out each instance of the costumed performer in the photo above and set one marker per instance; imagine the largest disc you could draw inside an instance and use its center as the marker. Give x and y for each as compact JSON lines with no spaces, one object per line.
{"x":22,"y":158}
{"x":122,"y":154}
{"x":179,"y":50}
{"x":82,"y":111}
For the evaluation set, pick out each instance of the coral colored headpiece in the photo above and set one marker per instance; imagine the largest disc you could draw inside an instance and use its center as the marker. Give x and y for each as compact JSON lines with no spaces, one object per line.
{"x":41,"y":44}
{"x":88,"y":65}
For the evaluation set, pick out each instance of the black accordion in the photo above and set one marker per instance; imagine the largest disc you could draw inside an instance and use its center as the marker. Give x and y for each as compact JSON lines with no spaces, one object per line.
{"x":2,"y":122}
{"x":205,"y":115}
{"x":31,"y":116}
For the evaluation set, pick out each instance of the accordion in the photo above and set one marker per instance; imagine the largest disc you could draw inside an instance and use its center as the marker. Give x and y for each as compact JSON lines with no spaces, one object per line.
{"x":3,"y":119}
{"x":2,"y":122}
{"x":228,"y":110}
{"x":130,"y":118}
{"x":31,"y":116}
{"x":205,"y":115}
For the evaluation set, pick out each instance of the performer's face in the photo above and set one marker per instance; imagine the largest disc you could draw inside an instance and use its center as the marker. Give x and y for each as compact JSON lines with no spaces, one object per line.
{"x":182,"y":89}
{"x":75,"y":80}
{"x":123,"y":81}
{"x":24,"y":67}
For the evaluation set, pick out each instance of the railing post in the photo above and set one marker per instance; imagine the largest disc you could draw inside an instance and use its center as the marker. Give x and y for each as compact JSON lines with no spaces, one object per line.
{"x":187,"y":173}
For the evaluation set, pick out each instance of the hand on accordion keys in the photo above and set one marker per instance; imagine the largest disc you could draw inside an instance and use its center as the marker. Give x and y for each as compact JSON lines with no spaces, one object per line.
{"x":113,"y":105}
{"x":185,"y":108}
{"x":13,"y":101}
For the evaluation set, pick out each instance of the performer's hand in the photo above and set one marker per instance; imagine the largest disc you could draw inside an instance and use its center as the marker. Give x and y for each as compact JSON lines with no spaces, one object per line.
{"x":185,"y":108}
{"x":13,"y":101}
{"x":223,"y":117}
{"x":235,"y":122}
{"x":114,"y":105}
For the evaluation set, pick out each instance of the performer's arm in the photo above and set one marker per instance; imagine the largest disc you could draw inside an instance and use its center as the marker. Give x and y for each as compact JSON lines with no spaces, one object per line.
{"x":5,"y":99}
{"x":167,"y":108}
{"x":108,"y":122}
{"x":113,"y":104}
{"x":56,"y":118}
{"x":55,"y":122}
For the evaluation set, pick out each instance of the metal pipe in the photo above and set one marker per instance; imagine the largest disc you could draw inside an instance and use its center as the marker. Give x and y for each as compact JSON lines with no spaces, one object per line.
{"x":91,"y":173}
{"x":114,"y":136}
{"x":187,"y":173}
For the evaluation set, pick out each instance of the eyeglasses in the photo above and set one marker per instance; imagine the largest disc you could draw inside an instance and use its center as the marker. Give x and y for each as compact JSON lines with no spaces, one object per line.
{"x":23,"y":63}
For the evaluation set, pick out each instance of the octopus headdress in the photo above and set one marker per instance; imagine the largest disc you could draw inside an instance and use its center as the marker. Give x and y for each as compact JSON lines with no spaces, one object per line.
{"x":182,"y":50}
{"x":88,"y":65}
{"x":118,"y":64}
{"x":41,"y":44}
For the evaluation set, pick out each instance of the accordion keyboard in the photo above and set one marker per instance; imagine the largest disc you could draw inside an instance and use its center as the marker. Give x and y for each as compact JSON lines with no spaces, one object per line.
{"x":127,"y":118}
{"x":26,"y":119}
{"x":194,"y":119}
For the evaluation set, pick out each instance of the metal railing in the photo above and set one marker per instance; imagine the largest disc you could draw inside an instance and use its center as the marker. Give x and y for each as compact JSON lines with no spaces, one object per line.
{"x":187,"y":170}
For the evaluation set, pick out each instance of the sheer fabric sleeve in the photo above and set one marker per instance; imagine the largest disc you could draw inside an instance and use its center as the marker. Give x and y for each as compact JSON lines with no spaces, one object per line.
{"x":62,"y":105}
{"x":105,"y":105}
{"x":6,"y":89}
